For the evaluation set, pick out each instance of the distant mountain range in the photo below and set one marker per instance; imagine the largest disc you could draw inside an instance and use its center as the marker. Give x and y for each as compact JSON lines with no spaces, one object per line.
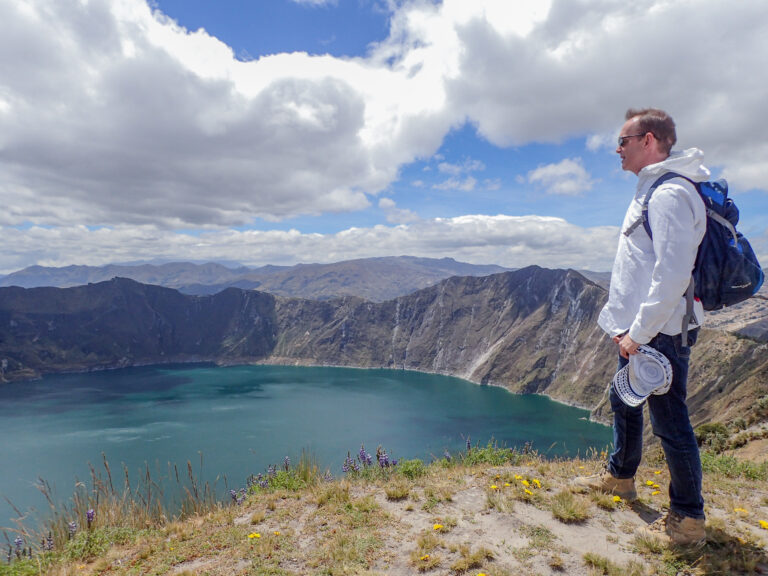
{"x":375,"y":279}
{"x":531,"y":331}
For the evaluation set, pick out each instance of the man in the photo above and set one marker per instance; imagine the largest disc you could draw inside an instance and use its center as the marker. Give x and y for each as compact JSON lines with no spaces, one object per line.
{"x":646,"y":305}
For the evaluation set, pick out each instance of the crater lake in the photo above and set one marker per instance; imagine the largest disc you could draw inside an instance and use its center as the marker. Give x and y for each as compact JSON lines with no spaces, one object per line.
{"x":231,"y":422}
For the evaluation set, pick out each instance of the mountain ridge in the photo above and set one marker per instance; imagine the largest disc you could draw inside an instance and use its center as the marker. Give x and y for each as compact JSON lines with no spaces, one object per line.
{"x":376,"y":279}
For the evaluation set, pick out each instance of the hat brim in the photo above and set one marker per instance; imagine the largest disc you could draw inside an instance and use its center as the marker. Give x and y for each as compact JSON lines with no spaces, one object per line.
{"x":648,"y":372}
{"x":624,"y":390}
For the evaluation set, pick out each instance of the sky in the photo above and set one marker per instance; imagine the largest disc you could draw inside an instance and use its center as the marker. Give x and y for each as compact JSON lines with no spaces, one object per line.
{"x":284,"y":131}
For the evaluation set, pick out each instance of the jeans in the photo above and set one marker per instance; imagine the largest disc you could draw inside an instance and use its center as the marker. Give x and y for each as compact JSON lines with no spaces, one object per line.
{"x":670,"y":423}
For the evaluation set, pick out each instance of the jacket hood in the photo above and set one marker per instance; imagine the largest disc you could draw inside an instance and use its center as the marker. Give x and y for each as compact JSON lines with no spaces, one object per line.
{"x":687,"y":163}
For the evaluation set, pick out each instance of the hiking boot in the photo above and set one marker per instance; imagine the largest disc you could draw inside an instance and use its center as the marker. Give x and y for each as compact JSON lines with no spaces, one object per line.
{"x":676,"y":529}
{"x":606,"y":482}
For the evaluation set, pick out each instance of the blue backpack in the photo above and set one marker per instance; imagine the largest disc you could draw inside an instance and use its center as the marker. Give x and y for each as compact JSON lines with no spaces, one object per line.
{"x":726,"y":270}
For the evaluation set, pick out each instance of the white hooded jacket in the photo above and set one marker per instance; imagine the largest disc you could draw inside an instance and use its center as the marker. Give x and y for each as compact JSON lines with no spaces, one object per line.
{"x":650,"y":277}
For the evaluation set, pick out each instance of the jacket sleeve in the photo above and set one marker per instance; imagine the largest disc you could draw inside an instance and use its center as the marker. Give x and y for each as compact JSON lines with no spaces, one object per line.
{"x":672,"y":217}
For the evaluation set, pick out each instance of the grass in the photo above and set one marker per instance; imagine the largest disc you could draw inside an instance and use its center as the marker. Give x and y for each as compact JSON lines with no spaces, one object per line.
{"x":570,"y":508}
{"x":296,"y":521}
{"x":600,"y":565}
{"x":469,"y":559}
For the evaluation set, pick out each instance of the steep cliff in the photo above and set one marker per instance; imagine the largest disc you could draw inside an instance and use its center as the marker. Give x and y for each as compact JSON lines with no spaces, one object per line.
{"x":121,"y":323}
{"x":532,"y":330}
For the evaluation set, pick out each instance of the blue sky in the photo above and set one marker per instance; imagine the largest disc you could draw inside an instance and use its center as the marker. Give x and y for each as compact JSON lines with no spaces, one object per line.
{"x":285,"y":131}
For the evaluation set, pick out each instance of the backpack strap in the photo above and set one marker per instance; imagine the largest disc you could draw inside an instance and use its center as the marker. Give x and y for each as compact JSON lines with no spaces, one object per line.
{"x":643,"y":218}
{"x":688,"y":312}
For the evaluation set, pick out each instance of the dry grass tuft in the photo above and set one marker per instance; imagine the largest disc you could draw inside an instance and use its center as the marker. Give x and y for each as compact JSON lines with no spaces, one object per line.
{"x":569,"y":507}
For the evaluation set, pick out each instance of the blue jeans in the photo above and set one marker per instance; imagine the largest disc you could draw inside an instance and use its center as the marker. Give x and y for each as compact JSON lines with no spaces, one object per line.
{"x":670,"y":422}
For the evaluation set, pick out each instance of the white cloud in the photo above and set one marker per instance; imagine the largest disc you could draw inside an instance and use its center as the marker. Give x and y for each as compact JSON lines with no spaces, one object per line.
{"x":396,"y":215}
{"x":466,"y":184}
{"x":504,"y":240}
{"x":127,"y":117}
{"x":469,"y":165}
{"x":566,"y":178}
{"x":576,"y":72}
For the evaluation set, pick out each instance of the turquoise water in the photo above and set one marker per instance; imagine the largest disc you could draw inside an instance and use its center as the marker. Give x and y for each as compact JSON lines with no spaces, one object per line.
{"x":242,"y":419}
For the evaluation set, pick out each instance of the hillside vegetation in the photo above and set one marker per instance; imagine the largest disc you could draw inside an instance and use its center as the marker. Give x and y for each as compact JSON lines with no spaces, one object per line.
{"x":488,"y":510}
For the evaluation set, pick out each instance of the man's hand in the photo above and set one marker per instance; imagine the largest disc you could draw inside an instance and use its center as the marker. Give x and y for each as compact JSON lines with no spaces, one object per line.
{"x":627,"y":346}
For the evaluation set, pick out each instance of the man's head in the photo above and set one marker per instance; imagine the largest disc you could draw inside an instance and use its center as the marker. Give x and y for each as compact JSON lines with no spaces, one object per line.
{"x":646,"y":137}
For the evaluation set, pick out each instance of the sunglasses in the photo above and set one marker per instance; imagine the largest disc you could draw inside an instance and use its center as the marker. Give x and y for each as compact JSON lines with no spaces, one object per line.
{"x":622,"y":139}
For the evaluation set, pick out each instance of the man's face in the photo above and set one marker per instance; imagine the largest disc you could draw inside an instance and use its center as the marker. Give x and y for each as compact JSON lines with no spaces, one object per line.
{"x":632,"y":147}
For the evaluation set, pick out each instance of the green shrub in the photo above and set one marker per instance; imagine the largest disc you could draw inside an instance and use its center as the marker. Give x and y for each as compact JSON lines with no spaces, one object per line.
{"x":730,"y":467}
{"x":412,"y":469}
{"x":714,"y":435}
{"x":491,"y":454}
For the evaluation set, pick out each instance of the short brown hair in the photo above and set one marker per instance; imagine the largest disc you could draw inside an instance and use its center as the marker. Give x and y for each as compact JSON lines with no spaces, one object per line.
{"x":657,"y":122}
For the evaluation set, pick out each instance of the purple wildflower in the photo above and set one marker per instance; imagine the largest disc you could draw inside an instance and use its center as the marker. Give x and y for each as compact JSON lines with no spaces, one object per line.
{"x":72,"y":528}
{"x":469,"y":444}
{"x":383,"y":458}
{"x":49,"y":542}
{"x":328,"y":477}
{"x":447,"y":455}
{"x":349,"y":465}
{"x":365,"y":458}
{"x":233,"y":495}
{"x":19,"y":542}
{"x":89,"y":516}
{"x":286,"y":463}
{"x":271,"y":470}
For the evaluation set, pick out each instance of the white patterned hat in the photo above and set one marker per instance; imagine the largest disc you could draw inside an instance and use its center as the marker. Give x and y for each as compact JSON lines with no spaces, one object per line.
{"x":648,"y":372}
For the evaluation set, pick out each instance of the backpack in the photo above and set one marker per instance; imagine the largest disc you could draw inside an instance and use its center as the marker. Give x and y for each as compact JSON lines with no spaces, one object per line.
{"x":726,"y":271}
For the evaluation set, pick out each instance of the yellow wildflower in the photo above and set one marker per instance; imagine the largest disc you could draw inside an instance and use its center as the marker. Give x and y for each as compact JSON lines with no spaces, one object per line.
{"x":437,"y":527}
{"x":656,"y":486}
{"x":528,"y":492}
{"x":764,"y":524}
{"x":494,"y":487}
{"x":649,"y":482}
{"x":526,"y":483}
{"x":425,"y":557}
{"x":657,"y":471}
{"x":536,"y":481}
{"x":507,"y":484}
{"x":655,"y":492}
{"x":617,"y":498}
{"x":518,"y":477}
{"x":254,"y":535}
{"x":276,"y":533}
{"x":741,"y":511}
{"x":581,"y":467}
